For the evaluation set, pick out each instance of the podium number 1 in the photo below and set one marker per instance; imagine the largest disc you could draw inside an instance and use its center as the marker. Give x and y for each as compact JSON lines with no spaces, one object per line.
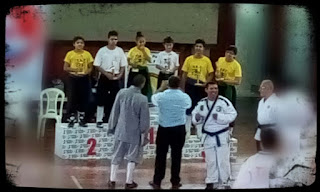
{"x":93,"y":143}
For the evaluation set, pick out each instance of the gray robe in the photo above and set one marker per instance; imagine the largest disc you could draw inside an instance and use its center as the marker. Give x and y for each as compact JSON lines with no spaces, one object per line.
{"x":129,"y":117}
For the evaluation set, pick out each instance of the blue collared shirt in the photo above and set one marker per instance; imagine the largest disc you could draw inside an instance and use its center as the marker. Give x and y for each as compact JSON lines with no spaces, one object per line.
{"x":172,"y":105}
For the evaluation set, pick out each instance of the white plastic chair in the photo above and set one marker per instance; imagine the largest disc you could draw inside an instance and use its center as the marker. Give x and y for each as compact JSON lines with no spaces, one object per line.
{"x":51,"y":109}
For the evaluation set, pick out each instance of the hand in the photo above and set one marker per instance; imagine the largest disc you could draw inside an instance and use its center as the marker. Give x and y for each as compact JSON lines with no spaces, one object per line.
{"x":144,"y":139}
{"x":215,"y":116}
{"x":110,"y":132}
{"x":134,"y":65}
{"x":164,"y":84}
{"x":187,"y":135}
{"x":116,"y":76}
{"x":109,"y":75}
{"x":199,"y":117}
{"x":141,"y":48}
{"x":230,"y":131}
{"x":220,"y":79}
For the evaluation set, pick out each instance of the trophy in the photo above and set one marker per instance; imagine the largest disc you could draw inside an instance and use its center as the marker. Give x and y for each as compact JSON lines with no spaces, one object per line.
{"x":198,"y":70}
{"x":168,"y":65}
{"x":82,"y":72}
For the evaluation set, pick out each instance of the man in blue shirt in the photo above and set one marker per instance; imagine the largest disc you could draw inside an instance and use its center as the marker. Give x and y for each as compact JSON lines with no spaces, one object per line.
{"x":172,"y":104}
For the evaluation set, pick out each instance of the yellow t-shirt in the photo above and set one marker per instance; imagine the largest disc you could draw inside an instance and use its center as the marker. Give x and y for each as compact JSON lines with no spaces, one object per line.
{"x":195,"y":67}
{"x":135,"y":56}
{"x":80,"y":60}
{"x":228,"y":70}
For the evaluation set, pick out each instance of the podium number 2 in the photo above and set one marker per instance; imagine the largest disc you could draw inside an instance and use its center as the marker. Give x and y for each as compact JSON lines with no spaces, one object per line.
{"x":93,"y":143}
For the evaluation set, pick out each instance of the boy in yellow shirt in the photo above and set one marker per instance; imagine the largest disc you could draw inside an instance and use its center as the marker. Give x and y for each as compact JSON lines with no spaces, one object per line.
{"x":138,"y":58}
{"x":78,"y":64}
{"x":196,"y":68}
{"x":228,"y":75}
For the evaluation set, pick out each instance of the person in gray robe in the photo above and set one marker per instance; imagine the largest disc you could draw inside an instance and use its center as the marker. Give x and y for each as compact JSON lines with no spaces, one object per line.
{"x":129,"y":121}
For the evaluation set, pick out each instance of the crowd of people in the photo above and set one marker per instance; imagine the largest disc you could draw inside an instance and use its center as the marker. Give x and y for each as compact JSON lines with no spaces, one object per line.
{"x":202,"y":98}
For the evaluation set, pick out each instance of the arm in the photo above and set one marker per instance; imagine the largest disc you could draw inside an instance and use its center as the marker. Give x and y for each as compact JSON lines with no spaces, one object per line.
{"x":90,"y":67}
{"x":236,"y":81}
{"x":196,"y":117}
{"x":183,"y":80}
{"x":107,"y":74}
{"x":163,"y":86}
{"x":160,"y":67}
{"x":114,"y":115}
{"x":210,"y":71}
{"x":144,"y":123}
{"x":174,"y":69}
{"x":119,"y":76}
{"x":67,"y":68}
{"x":210,"y":77}
{"x":146,"y":54}
{"x":227,"y":115}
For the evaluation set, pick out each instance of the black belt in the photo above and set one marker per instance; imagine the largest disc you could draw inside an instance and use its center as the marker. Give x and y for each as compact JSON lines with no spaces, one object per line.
{"x":266,"y":125}
{"x":216,"y":134}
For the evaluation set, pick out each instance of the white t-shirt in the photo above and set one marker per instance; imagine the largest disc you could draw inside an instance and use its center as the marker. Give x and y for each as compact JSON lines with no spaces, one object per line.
{"x":110,"y":60}
{"x":168,"y":60}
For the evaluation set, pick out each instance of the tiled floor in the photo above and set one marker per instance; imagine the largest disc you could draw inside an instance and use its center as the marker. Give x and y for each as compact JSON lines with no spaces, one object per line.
{"x":35,"y":165}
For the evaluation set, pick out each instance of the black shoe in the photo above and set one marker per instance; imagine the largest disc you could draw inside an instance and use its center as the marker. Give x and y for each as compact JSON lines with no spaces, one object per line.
{"x":71,"y":124}
{"x":209,"y":186}
{"x":111,"y":184}
{"x":72,"y":120}
{"x":100,"y":124}
{"x":153,"y":185}
{"x":177,"y":186}
{"x":131,"y":186}
{"x":82,"y":123}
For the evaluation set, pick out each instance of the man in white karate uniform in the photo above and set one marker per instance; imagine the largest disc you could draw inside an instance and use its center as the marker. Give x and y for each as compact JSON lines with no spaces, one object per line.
{"x":266,"y":113}
{"x":255,"y":171}
{"x":215,"y":112}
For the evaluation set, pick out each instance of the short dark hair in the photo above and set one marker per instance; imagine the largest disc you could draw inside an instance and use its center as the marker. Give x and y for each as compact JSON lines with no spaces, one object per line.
{"x":139,"y":34}
{"x":76,"y":38}
{"x":174,"y":81}
{"x":232,"y":48}
{"x":200,"y":41}
{"x":269,"y":138}
{"x":112,"y":33}
{"x":168,"y":40}
{"x":139,"y":80}
{"x":210,"y":83}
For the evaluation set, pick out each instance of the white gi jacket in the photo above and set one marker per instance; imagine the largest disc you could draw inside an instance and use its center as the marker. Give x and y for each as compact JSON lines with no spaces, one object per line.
{"x":266,"y":114}
{"x":226,"y":114}
{"x":255,"y":171}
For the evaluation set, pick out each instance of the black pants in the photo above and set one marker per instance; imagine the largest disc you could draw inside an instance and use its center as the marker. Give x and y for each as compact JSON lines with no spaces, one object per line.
{"x":196,"y":93}
{"x":106,"y":94}
{"x":161,"y":77}
{"x":229,"y":91}
{"x":146,"y":90}
{"x":78,"y":93}
{"x":173,"y":137}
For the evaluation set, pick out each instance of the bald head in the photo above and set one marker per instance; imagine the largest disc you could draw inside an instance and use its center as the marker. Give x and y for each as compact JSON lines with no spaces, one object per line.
{"x":266,"y":88}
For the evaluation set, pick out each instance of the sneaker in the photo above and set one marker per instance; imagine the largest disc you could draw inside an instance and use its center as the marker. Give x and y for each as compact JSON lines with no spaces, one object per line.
{"x":176,"y":186}
{"x":111,"y":184}
{"x":209,"y":186}
{"x":131,"y":186}
{"x":100,"y":124}
{"x":154,"y":186}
